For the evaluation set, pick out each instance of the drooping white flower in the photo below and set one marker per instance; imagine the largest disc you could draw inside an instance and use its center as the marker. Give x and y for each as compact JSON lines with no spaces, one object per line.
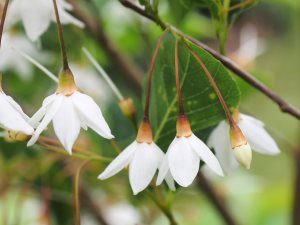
{"x":69,"y":110}
{"x":143,"y":157}
{"x":12,"y":116}
{"x":257,"y":137}
{"x":11,"y":60}
{"x":183,"y":157}
{"x":37,"y":15}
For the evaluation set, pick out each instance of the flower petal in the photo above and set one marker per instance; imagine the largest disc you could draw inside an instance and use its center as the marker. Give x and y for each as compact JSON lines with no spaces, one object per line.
{"x":35,"y":119}
{"x":164,"y":166}
{"x":220,"y":142}
{"x":17,"y":107}
{"x":206,"y":155}
{"x":51,"y":111}
{"x":67,"y":18}
{"x":66,"y":124}
{"x":120,"y":162}
{"x":90,"y":114}
{"x":143,"y":166}
{"x":183,"y":161}
{"x":170,"y":181}
{"x":258,"y":138}
{"x":36,"y":19}
{"x":11,"y":119}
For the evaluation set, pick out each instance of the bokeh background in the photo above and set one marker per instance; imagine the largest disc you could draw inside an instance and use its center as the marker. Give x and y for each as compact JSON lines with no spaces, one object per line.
{"x":36,"y":184}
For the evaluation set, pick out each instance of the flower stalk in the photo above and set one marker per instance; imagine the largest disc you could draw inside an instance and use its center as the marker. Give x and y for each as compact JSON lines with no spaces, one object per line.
{"x":154,"y":58}
{"x":215,"y":87}
{"x":61,"y":37}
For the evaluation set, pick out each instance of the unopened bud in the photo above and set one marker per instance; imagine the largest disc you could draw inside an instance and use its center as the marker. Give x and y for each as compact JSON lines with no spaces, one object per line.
{"x":183,"y":127}
{"x":14,"y":136}
{"x":128,"y":109}
{"x":241,"y":148}
{"x":145,"y":133}
{"x":66,"y":83}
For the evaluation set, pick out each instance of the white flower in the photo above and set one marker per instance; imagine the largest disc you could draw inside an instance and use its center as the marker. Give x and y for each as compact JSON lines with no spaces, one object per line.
{"x":12,"y":116}
{"x":69,"y":113}
{"x":143,"y":160}
{"x":182,"y":159}
{"x":11,"y":60}
{"x":37,"y":15}
{"x":255,"y":133}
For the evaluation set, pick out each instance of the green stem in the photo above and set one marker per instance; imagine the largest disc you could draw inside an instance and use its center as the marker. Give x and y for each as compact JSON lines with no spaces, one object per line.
{"x":76,"y":193}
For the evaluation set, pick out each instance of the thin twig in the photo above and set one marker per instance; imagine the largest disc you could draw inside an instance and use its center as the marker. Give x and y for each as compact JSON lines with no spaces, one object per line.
{"x":123,"y":64}
{"x":77,"y":192}
{"x":206,"y":187}
{"x":283,"y":105}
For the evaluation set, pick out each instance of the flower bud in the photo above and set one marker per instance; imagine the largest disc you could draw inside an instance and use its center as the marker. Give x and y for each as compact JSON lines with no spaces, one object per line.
{"x":66,"y":83}
{"x":128,"y":109}
{"x":145,"y":132}
{"x":183,"y":127}
{"x":13,"y":136}
{"x":241,"y":148}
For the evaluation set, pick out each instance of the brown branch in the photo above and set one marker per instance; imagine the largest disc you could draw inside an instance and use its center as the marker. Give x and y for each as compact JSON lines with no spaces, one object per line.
{"x":283,"y":105}
{"x":95,"y":29}
{"x":296,"y":208}
{"x":206,"y":187}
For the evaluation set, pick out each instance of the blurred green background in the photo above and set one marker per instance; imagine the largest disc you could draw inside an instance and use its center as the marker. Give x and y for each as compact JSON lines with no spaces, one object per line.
{"x":36,"y":184}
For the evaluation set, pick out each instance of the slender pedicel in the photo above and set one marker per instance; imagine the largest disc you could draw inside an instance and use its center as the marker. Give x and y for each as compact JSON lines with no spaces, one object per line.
{"x":180,"y":104}
{"x":38,"y":65}
{"x":214,"y":85}
{"x":147,"y":105}
{"x":103,"y":74}
{"x":61,"y":38}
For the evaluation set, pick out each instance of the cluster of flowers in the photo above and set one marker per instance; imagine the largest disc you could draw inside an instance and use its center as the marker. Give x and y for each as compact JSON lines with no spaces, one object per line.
{"x":70,"y":110}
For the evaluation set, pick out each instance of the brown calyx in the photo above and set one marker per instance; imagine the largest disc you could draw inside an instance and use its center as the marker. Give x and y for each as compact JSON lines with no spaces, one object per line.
{"x":183,"y":127}
{"x":145,"y":133}
{"x":237,"y":137}
{"x":66,"y":83}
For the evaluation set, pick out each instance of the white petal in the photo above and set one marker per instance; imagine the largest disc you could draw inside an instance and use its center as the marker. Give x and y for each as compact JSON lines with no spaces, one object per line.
{"x":11,"y":119}
{"x":206,"y":155}
{"x":66,"y":18}
{"x":258,"y":138}
{"x":36,"y":19}
{"x":66,"y":124}
{"x":183,"y":162}
{"x":120,"y":162}
{"x":220,"y":142}
{"x":143,"y":166}
{"x":17,"y":107}
{"x":90,"y":114}
{"x":170,"y":181}
{"x":164,"y":166}
{"x":163,"y":170}
{"x":35,"y":119}
{"x":13,"y":14}
{"x":51,"y":111}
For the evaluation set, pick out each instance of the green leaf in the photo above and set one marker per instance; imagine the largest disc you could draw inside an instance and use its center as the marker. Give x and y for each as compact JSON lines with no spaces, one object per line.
{"x":200,"y":101}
